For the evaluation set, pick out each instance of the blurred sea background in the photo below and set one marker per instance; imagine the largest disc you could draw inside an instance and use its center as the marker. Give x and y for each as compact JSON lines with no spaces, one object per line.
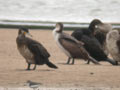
{"x":75,"y":11}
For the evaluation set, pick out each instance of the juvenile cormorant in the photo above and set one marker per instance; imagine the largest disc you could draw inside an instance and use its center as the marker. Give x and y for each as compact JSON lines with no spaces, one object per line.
{"x":70,"y":46}
{"x":113,"y":44}
{"x":32,"y":51}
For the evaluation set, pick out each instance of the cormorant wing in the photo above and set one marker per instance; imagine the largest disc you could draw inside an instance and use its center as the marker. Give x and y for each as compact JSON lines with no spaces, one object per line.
{"x":100,"y":37}
{"x":73,"y":47}
{"x":93,"y":46}
{"x":71,"y":38}
{"x":36,"y":48}
{"x":77,"y":34}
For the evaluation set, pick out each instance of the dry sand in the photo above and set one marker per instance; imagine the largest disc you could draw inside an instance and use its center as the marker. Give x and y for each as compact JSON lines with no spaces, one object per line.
{"x":13,"y":65}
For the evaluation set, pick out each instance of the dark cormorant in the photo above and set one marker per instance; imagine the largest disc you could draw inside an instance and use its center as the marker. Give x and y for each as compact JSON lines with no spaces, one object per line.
{"x":100,"y":31}
{"x":91,"y":44}
{"x":31,"y":50}
{"x":70,"y":46}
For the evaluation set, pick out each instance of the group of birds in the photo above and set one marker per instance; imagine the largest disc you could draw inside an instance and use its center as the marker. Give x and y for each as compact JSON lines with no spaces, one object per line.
{"x":92,"y":44}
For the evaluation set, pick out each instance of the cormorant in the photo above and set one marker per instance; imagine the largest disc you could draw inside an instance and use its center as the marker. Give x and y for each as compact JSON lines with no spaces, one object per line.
{"x":91,"y":44}
{"x":32,"y":51}
{"x":113,"y":44}
{"x":100,"y":31}
{"x":70,"y":46}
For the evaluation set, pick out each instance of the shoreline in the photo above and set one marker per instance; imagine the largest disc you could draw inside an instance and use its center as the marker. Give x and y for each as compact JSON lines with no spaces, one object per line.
{"x":47,"y":25}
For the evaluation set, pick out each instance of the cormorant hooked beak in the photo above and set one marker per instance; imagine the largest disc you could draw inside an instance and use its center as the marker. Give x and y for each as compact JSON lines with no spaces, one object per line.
{"x":24,"y":31}
{"x":28,"y":34}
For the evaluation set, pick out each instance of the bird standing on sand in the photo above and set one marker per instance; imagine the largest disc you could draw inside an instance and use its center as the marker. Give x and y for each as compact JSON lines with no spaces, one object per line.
{"x":70,"y":46}
{"x":92,"y":45}
{"x":100,"y":30}
{"x":113,"y":44}
{"x":32,"y":51}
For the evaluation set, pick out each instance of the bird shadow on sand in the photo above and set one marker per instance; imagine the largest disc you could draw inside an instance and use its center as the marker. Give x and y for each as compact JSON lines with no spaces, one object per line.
{"x":65,"y":64}
{"x":22,"y":70}
{"x":43,"y":70}
{"x":109,"y":65}
{"x":72,"y":64}
{"x":81,"y":64}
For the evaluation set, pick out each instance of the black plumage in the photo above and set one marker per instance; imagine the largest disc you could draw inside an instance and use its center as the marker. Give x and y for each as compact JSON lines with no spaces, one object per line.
{"x":91,"y":44}
{"x":32,"y":51}
{"x":100,"y":31}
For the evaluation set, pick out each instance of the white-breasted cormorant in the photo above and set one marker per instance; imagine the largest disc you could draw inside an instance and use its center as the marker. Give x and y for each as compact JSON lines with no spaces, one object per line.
{"x":70,"y":46}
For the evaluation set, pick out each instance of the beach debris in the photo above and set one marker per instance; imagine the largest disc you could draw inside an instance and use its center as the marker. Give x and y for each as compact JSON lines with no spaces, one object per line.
{"x":32,"y":84}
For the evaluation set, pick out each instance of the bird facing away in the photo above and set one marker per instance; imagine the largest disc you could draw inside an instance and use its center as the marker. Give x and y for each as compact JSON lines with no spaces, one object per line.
{"x":113,"y":44}
{"x":91,"y":44}
{"x":32,"y":51}
{"x":70,"y":46}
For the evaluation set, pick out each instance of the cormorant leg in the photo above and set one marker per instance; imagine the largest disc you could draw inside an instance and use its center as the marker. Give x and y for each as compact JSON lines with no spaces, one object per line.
{"x":34,"y":67}
{"x":117,"y":63}
{"x":88,"y":62}
{"x":68,"y":60}
{"x":73,"y":61}
{"x":28,"y":68}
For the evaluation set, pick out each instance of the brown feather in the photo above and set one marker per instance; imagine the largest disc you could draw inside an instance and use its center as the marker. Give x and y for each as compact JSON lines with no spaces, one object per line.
{"x":76,"y":50}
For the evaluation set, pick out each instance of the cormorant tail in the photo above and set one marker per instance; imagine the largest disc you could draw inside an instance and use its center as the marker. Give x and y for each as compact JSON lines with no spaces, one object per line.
{"x":51,"y":65}
{"x":111,"y":61}
{"x":93,"y":60}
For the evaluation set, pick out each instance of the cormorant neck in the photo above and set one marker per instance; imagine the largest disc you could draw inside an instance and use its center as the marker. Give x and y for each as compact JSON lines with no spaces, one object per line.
{"x":58,"y":29}
{"x":21,"y":35}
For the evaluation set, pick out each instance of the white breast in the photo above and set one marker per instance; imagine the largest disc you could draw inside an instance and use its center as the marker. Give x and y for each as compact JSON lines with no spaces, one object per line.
{"x":56,"y":37}
{"x":25,"y":52}
{"x":112,"y":48}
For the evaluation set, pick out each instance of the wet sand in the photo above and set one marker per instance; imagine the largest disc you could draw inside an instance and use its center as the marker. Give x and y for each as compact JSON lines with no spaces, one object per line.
{"x":13,"y":65}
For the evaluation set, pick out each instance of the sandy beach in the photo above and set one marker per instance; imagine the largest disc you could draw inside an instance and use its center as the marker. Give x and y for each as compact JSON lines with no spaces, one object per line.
{"x":79,"y":75}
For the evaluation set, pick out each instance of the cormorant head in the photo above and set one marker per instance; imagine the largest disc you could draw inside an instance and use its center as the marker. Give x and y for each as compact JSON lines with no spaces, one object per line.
{"x":94,"y":24}
{"x":24,"y":31}
{"x":59,"y":27}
